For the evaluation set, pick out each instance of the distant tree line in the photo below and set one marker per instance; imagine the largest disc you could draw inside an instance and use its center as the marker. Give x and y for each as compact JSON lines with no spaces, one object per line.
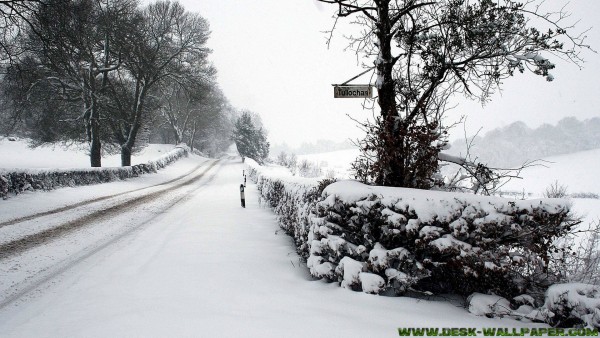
{"x":112,"y":73}
{"x":517,"y":143}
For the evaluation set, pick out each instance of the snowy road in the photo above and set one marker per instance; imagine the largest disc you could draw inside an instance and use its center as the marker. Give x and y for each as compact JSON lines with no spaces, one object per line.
{"x":174,"y":254}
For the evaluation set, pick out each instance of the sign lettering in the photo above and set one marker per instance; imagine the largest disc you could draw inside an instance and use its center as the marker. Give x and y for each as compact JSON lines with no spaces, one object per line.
{"x":353,"y":91}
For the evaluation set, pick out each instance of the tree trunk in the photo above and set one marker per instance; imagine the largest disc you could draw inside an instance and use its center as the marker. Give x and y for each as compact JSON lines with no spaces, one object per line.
{"x":95,"y":145}
{"x":92,"y":120}
{"x":127,"y":147}
{"x":193,"y":136}
{"x":391,"y":166}
{"x":125,"y":156}
{"x":177,"y":136}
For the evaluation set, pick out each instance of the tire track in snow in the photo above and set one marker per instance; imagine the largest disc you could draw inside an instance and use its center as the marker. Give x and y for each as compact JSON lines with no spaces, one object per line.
{"x":32,"y":283}
{"x":29,"y":241}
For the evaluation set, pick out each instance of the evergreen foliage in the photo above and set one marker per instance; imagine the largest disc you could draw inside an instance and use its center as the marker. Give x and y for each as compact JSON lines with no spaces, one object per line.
{"x":250,"y":138}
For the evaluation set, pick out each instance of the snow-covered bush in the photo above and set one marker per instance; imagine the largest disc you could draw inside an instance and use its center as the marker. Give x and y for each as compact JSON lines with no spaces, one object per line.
{"x":289,"y":161}
{"x":438,"y":241}
{"x":376,"y":239}
{"x":488,"y":305}
{"x":565,"y":305}
{"x":19,"y":180}
{"x":519,"y":308}
{"x":589,"y":195}
{"x":582,"y":265}
{"x":556,"y":190}
{"x":309,"y":169}
{"x":573,"y":304}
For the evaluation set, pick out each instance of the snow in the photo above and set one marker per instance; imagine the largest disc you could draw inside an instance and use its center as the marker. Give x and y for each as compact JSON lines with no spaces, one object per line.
{"x":196,"y":264}
{"x":350,"y":269}
{"x":371,"y":283}
{"x":18,"y":154}
{"x":447,"y":242}
{"x":577,"y":171}
{"x":482,"y":305}
{"x":379,"y":256}
{"x":580,"y":300}
{"x":337,"y":162}
{"x":429,"y":206}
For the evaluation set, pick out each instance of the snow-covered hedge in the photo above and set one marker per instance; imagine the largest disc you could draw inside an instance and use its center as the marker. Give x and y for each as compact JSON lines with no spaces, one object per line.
{"x":14,"y":181}
{"x":433,"y":241}
{"x":380,"y":239}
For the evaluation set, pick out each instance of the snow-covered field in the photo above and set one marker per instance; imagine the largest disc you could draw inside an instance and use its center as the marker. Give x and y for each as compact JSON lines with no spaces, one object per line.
{"x":578,"y":172}
{"x":174,"y":254}
{"x":18,"y":154}
{"x":336,"y":161}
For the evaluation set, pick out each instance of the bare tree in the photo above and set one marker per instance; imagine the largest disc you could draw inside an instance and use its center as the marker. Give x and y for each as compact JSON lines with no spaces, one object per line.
{"x":184,"y":102}
{"x":15,"y":21}
{"x":425,"y":52}
{"x":212,"y":124}
{"x":169,"y":43}
{"x":71,"y":48}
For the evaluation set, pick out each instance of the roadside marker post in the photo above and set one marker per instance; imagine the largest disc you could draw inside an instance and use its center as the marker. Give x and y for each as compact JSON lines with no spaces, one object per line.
{"x":242,"y":197}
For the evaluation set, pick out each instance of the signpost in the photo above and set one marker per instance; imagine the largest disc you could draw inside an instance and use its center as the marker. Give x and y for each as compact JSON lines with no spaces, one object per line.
{"x":352,"y":91}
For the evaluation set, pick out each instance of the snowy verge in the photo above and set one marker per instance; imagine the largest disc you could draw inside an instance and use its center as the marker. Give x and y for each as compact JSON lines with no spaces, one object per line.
{"x":15,"y":181}
{"x":291,"y":198}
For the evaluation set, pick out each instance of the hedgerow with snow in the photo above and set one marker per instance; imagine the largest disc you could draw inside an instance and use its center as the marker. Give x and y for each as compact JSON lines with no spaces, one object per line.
{"x":15,"y":181}
{"x":393,"y":240}
{"x":437,"y":241}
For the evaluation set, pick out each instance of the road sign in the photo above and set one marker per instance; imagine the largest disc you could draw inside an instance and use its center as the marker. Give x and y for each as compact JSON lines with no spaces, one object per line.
{"x":353,"y":91}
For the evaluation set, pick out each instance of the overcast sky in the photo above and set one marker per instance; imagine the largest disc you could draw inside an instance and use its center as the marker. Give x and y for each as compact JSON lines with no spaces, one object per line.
{"x":272,"y":59}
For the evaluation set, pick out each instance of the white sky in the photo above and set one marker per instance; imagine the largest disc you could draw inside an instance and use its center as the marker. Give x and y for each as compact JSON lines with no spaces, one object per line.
{"x":272,"y":59}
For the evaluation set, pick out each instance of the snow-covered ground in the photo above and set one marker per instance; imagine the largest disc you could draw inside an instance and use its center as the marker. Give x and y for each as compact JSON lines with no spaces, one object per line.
{"x":578,"y":172}
{"x":186,"y":261}
{"x":336,"y":161}
{"x":18,"y":154}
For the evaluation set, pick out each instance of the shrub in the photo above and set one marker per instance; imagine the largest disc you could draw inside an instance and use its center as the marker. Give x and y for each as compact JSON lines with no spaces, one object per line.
{"x":573,"y":304}
{"x":556,"y":190}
